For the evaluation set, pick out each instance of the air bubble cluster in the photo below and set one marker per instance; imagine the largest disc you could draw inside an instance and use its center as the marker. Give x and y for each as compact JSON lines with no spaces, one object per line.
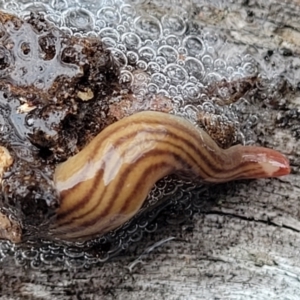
{"x":165,"y":51}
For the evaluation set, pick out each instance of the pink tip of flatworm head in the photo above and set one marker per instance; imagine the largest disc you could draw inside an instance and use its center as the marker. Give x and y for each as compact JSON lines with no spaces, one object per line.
{"x":277,"y":164}
{"x":273,"y":163}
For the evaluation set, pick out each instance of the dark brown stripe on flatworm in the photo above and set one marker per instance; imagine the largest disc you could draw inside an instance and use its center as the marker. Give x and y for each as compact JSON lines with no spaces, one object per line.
{"x":80,"y":204}
{"x":122,"y":179}
{"x":254,"y":170}
{"x":134,"y":189}
{"x":120,"y":182}
{"x":115,"y":197}
{"x":208,"y":158}
{"x":191,"y":157}
{"x":195,"y":133}
{"x":90,"y":223}
{"x":197,"y":154}
{"x":123,"y":209}
{"x":85,"y":200}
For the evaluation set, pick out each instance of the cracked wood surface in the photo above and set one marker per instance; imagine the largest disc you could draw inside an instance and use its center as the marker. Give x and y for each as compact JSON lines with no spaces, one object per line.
{"x":245,"y":248}
{"x":244,"y":245}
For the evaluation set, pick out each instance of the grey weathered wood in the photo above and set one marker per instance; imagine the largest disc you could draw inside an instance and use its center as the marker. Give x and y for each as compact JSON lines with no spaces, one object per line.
{"x":243,"y":246}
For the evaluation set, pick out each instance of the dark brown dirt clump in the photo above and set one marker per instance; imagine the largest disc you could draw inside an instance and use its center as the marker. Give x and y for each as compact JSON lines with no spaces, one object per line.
{"x":54,"y":92}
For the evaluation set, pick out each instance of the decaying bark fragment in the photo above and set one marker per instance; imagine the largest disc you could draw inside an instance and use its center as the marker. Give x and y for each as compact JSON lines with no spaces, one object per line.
{"x":54,"y":92}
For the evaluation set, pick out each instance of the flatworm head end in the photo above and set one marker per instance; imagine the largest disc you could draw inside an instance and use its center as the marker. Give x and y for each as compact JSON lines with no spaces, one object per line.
{"x":270,"y":163}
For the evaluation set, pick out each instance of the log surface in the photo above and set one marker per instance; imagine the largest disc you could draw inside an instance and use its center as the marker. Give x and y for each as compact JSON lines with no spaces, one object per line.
{"x":245,"y":245}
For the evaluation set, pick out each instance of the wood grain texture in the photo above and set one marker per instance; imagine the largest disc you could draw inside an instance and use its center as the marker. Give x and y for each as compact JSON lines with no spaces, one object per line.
{"x":244,"y":245}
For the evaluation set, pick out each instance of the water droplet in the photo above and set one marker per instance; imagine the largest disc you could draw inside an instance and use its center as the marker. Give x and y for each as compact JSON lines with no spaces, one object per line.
{"x":59,"y":5}
{"x":208,"y":62}
{"x":119,"y":56}
{"x":169,"y":53}
{"x":110,"y":15}
{"x":152,"y":88}
{"x":250,"y":69}
{"x":161,"y":61}
{"x":174,"y":24}
{"x":213,"y":77}
{"x":30,"y":254}
{"x":38,"y":7}
{"x":177,"y":74}
{"x":211,"y":38}
{"x":109,"y":42}
{"x":128,"y":10}
{"x":73,"y":252}
{"x":110,"y":33}
{"x":159,"y":79}
{"x":153,"y":67}
{"x":194,"y":67}
{"x":234,"y":61}
{"x":190,"y":91}
{"x":131,"y":40}
{"x":194,"y":45}
{"x":11,"y":6}
{"x":219,"y":64}
{"x":148,"y":27}
{"x":132,"y":57}
{"x":126,"y":77}
{"x":172,"y":40}
{"x":79,"y":18}
{"x":142,"y":65}
{"x":103,"y":3}
{"x":147,"y":54}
